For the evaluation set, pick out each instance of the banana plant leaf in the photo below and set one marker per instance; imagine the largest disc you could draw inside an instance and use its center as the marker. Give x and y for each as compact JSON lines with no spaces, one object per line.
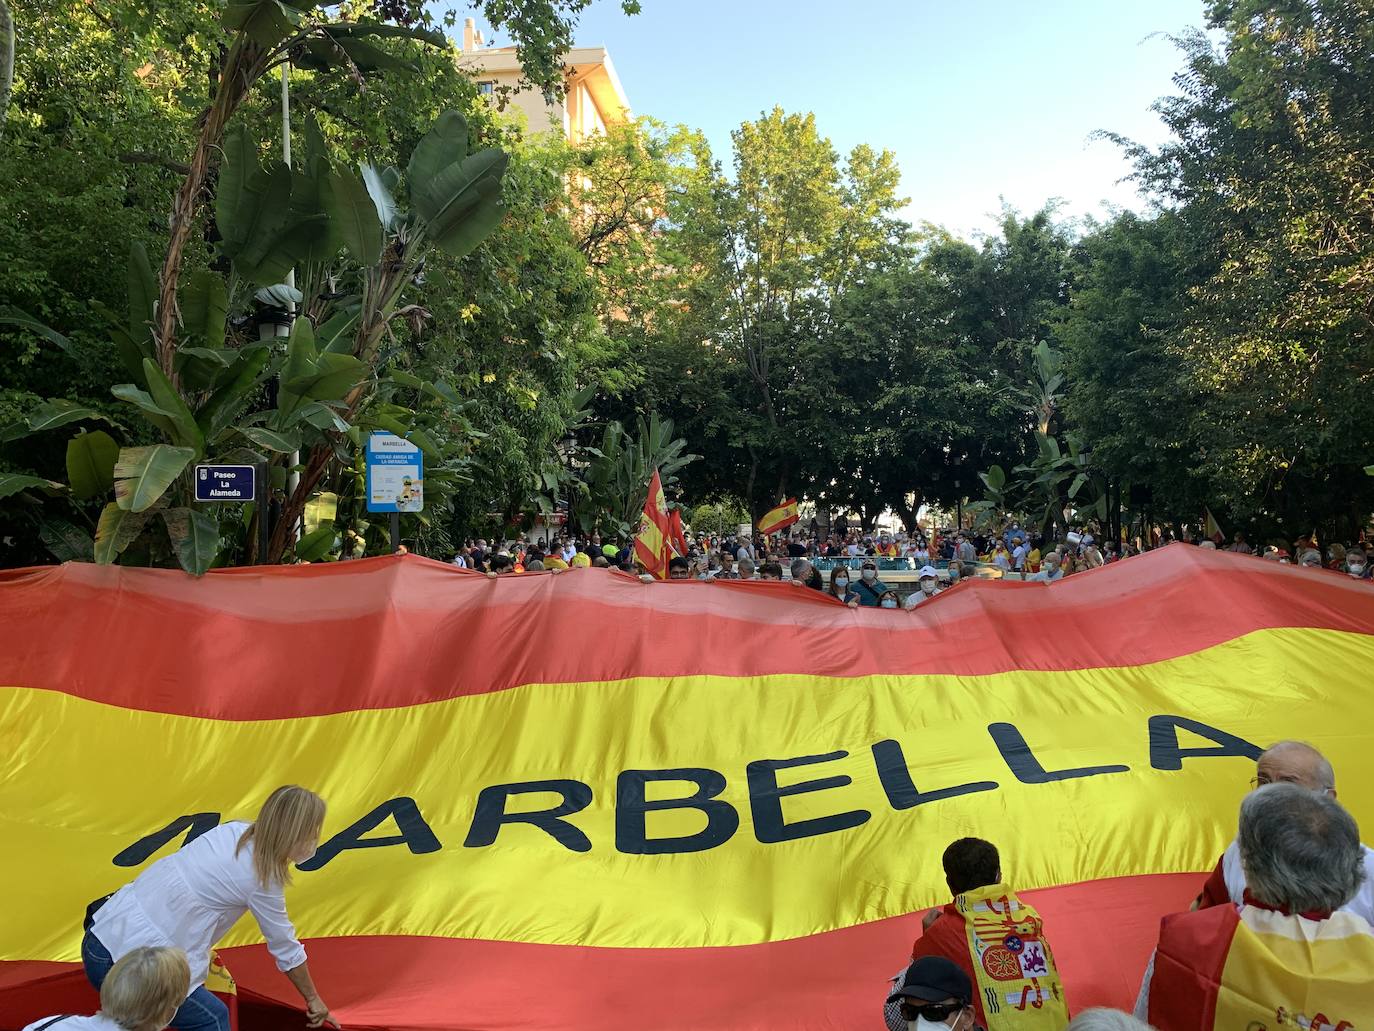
{"x":142,"y":287}
{"x":143,"y":474}
{"x":91,"y":460}
{"x":252,"y":207}
{"x":316,"y":544}
{"x":195,"y":535}
{"x":66,"y":541}
{"x":50,"y":414}
{"x":117,"y":529}
{"x":445,"y":144}
{"x":234,"y":388}
{"x":266,"y":22}
{"x":11,"y":316}
{"x":353,"y":213}
{"x":331,"y":377}
{"x":187,"y":432}
{"x":204,"y":307}
{"x":13,"y":483}
{"x":271,"y":440}
{"x":380,"y":193}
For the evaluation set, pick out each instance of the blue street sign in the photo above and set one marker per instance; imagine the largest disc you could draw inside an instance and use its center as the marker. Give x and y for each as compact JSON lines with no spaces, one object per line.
{"x":224,"y":482}
{"x":395,"y":474}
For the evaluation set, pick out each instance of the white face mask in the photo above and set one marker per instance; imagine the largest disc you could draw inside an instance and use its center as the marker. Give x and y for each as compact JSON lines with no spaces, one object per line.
{"x":922,"y":1024}
{"x":870,"y":574}
{"x":1356,"y":568}
{"x":928,"y":586}
{"x":841,"y":583}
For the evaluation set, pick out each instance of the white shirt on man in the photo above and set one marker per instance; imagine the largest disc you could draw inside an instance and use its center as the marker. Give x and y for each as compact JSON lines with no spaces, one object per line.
{"x":1361,"y":905}
{"x":191,"y":898}
{"x":96,"y":1022}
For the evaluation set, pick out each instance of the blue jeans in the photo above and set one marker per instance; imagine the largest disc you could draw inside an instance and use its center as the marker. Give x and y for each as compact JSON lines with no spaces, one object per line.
{"x":200,"y":1012}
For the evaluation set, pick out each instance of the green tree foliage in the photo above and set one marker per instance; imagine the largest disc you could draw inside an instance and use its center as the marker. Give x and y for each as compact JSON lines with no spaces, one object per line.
{"x":106,"y":110}
{"x":1270,"y":171}
{"x":1133,"y":394}
{"x":782,"y":238}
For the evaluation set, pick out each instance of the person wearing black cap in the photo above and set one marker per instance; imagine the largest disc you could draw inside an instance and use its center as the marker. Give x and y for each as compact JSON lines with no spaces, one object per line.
{"x":869,"y":588}
{"x":934,"y":993}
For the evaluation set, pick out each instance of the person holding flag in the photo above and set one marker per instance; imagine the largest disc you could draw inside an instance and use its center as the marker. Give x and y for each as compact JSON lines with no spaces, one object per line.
{"x":676,"y":538}
{"x":780,"y":518}
{"x":653,"y":547}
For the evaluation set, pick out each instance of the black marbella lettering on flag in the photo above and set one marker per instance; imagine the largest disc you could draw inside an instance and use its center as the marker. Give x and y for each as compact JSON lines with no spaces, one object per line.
{"x":631,"y":837}
{"x":412,"y":832}
{"x":490,"y":815}
{"x":765,"y":799}
{"x":702,"y":791}
{"x":143,"y":849}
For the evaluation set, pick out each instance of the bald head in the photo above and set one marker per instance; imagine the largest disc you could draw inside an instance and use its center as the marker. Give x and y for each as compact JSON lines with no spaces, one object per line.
{"x":1296,"y":762}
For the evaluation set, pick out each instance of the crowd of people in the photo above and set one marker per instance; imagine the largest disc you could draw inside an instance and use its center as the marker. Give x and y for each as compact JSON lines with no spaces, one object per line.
{"x":1283,"y":920}
{"x":850,"y":566}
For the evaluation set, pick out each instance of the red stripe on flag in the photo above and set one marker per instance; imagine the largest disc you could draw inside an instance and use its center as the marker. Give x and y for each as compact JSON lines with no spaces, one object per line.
{"x":1102,"y":933}
{"x":62,"y":626}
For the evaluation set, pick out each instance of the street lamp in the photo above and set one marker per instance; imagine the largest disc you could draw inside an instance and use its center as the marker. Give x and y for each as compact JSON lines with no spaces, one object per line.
{"x":569,"y":444}
{"x":958,"y":496}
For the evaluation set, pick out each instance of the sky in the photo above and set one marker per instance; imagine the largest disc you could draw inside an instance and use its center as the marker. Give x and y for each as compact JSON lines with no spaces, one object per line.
{"x":980,"y":100}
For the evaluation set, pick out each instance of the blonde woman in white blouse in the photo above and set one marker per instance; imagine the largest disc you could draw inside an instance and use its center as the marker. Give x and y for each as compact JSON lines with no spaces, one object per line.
{"x":191,"y":898}
{"x":140,"y":993}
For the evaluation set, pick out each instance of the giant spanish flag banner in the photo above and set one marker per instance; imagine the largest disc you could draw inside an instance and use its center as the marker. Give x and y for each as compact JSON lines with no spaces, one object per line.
{"x":583,"y":802}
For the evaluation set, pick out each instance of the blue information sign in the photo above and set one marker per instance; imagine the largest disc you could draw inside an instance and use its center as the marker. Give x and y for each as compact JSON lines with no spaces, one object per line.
{"x":395,"y":474}
{"x":225,"y":482}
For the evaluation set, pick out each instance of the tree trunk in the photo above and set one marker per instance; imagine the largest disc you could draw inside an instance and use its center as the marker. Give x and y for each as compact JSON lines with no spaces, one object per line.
{"x":243,"y":67}
{"x":283,"y":533}
{"x":749,"y":487}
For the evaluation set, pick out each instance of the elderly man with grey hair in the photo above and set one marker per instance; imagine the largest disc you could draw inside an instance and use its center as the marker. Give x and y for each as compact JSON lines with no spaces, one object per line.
{"x":804,"y":573}
{"x":1290,"y":944}
{"x":1287,"y":762}
{"x":1106,"y":1020}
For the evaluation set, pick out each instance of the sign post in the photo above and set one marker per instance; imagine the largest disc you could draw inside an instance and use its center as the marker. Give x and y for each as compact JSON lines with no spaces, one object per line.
{"x":236,"y":483}
{"x":226,"y":483}
{"x":260,"y":475}
{"x":395,"y":479}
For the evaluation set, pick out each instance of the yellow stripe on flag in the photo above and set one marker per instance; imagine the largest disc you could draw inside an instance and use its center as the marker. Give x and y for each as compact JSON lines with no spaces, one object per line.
{"x":121,"y":774}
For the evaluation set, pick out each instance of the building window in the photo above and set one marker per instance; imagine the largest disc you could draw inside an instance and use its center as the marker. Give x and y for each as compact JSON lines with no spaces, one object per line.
{"x":486,"y":88}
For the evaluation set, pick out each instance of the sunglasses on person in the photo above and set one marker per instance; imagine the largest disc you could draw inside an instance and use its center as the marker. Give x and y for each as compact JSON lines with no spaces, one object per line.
{"x":935,"y":1012}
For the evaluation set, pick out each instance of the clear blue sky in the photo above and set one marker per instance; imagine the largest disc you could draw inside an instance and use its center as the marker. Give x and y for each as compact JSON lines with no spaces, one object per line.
{"x":979,"y":99}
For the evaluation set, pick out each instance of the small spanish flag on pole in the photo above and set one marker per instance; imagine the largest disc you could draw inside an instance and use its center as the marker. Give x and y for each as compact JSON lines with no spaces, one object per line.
{"x":1212,"y":527}
{"x":779,"y":518}
{"x":676,"y":537}
{"x":652,"y":544}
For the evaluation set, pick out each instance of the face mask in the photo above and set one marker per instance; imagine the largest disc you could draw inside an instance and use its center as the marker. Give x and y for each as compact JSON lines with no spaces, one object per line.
{"x":841,"y":583}
{"x":888,"y":603}
{"x":870,"y":574}
{"x":1356,"y":568}
{"x":928,"y":586}
{"x":922,"y":1024}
